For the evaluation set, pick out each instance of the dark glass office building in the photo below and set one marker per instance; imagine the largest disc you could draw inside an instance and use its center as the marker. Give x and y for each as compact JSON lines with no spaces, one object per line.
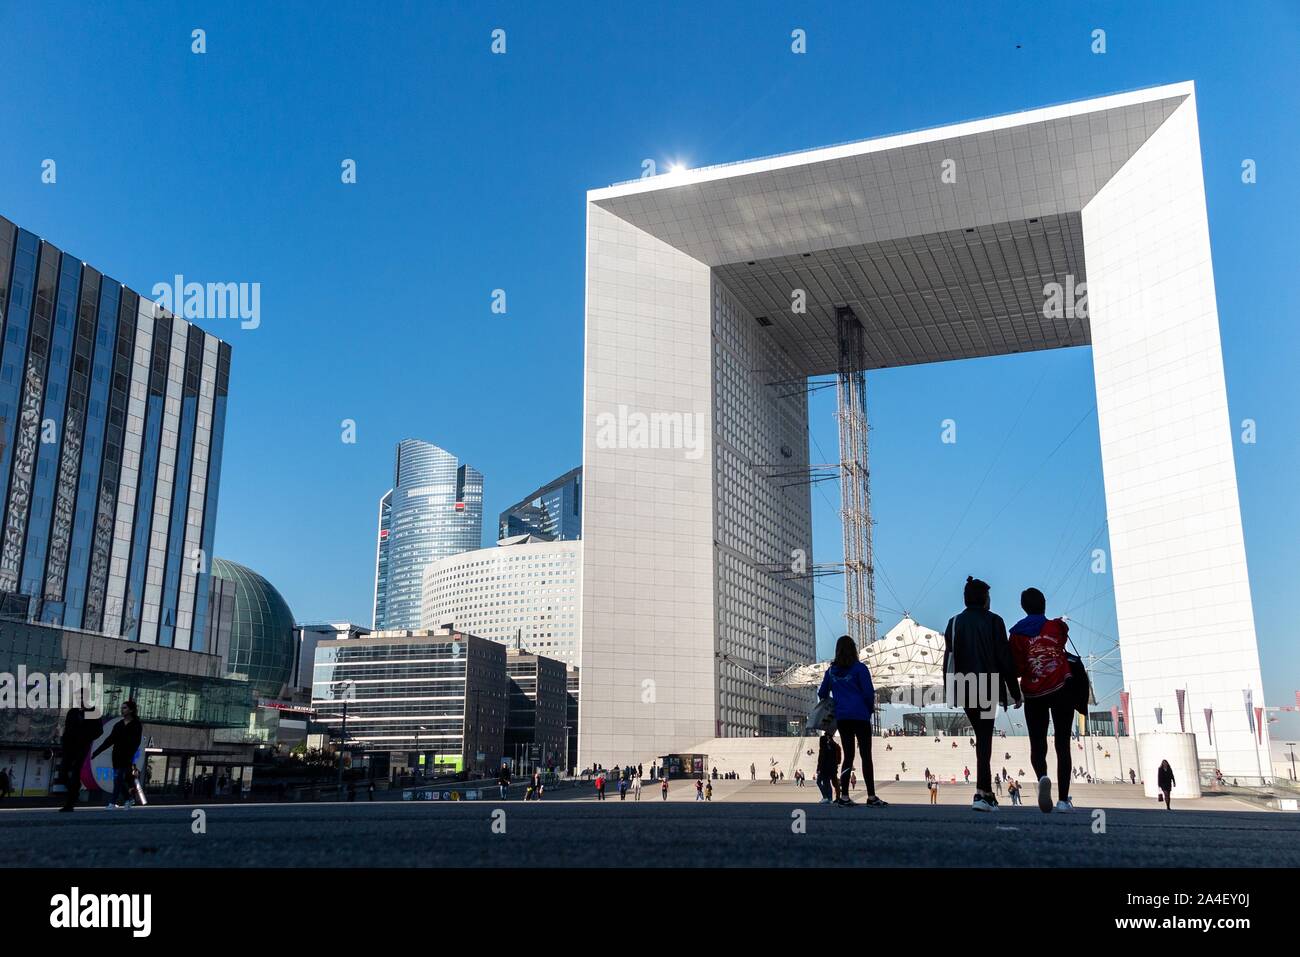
{"x":553,"y":512}
{"x":112,"y":413}
{"x":537,"y":719}
{"x":571,"y":713}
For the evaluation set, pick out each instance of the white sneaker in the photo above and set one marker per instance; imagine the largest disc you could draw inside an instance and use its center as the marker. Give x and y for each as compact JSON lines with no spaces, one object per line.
{"x":979,"y":804}
{"x":1065,"y":806}
{"x":1045,"y":794}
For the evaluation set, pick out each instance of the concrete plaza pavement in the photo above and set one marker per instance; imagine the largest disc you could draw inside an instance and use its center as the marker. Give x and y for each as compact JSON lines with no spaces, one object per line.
{"x":1085,"y":796}
{"x":752,"y":824}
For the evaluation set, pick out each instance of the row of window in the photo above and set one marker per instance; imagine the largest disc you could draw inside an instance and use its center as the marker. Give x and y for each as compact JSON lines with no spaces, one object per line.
{"x":68,"y":358}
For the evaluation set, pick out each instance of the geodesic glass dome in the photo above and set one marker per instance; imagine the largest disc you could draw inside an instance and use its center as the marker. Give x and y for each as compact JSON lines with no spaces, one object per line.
{"x":262,"y":644}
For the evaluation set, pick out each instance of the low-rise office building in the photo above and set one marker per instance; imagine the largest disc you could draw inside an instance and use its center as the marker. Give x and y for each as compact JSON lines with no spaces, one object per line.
{"x":404,"y":694}
{"x":307,"y":637}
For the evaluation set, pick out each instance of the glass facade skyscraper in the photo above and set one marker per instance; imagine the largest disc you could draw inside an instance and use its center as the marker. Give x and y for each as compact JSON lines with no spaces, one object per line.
{"x":553,"y":512}
{"x":381,"y":557}
{"x":112,"y":413}
{"x":433,"y":511}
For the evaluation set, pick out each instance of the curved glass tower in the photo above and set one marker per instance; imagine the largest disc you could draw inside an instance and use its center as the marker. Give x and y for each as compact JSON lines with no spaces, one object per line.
{"x":434,"y":510}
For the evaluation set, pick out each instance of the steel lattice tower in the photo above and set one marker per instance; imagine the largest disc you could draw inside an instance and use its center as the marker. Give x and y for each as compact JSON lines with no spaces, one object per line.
{"x":855,"y":480}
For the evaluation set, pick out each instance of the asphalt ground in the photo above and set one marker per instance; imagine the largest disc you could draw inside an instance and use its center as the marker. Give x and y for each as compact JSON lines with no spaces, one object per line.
{"x":746,"y":825}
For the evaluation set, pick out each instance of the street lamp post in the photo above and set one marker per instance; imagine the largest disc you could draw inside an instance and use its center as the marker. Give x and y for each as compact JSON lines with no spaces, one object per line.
{"x":343,"y":736}
{"x":343,"y":732}
{"x":1119,"y":751}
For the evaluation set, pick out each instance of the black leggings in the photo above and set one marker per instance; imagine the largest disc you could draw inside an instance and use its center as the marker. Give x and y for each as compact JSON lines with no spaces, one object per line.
{"x":851,"y":728}
{"x":1060,"y":709}
{"x":982,"y":726}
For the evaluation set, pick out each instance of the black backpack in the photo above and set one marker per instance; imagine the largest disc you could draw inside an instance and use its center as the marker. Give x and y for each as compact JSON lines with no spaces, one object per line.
{"x":1080,"y":687}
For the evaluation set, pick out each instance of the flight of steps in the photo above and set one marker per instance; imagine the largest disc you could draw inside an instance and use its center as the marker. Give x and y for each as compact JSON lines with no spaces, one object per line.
{"x":889,"y":755}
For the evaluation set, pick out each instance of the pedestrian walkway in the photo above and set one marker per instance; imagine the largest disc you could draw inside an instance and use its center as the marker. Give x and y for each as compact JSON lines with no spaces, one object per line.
{"x":1085,"y":796}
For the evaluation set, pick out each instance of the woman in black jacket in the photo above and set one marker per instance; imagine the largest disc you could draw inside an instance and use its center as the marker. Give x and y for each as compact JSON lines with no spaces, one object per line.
{"x":1165,"y":781}
{"x":124,"y":739}
{"x":979,"y":675}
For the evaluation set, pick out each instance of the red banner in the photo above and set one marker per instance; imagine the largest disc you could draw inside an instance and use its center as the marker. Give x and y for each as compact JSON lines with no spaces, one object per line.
{"x":1259,"y":724}
{"x":1126,"y":705}
{"x":1114,"y":720}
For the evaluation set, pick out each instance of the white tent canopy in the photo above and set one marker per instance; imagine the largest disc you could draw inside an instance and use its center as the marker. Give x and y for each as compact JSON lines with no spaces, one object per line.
{"x":909,"y":656}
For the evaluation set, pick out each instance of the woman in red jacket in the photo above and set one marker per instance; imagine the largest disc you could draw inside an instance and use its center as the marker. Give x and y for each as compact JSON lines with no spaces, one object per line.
{"x":1038,"y":650}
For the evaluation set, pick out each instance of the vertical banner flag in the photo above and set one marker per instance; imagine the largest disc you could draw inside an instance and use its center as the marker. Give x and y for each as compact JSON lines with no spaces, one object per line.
{"x":1160,"y":715}
{"x":1259,"y":725}
{"x":1182,"y":697}
{"x":1250,"y":707}
{"x":1209,"y":724}
{"x":1125,"y":705}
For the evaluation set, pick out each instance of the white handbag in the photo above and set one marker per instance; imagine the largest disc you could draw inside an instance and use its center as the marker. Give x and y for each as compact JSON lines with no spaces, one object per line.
{"x":822,"y":717}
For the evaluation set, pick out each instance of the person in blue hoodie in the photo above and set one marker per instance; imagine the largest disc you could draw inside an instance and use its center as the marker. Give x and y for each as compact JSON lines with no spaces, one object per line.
{"x":848,"y":683}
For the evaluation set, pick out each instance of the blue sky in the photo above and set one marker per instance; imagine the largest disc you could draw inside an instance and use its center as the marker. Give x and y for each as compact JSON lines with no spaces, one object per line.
{"x":472,"y":171}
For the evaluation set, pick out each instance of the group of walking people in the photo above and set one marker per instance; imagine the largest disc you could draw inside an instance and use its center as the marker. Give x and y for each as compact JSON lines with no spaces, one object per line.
{"x":624,"y":781}
{"x":80,"y":733}
{"x":984,"y":668}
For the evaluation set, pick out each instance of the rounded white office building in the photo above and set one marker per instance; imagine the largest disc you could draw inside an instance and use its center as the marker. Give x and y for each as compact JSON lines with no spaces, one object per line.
{"x":524,"y":587}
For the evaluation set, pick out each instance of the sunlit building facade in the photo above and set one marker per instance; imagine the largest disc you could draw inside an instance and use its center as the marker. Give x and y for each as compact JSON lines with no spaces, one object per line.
{"x":523,"y":592}
{"x":692,"y":542}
